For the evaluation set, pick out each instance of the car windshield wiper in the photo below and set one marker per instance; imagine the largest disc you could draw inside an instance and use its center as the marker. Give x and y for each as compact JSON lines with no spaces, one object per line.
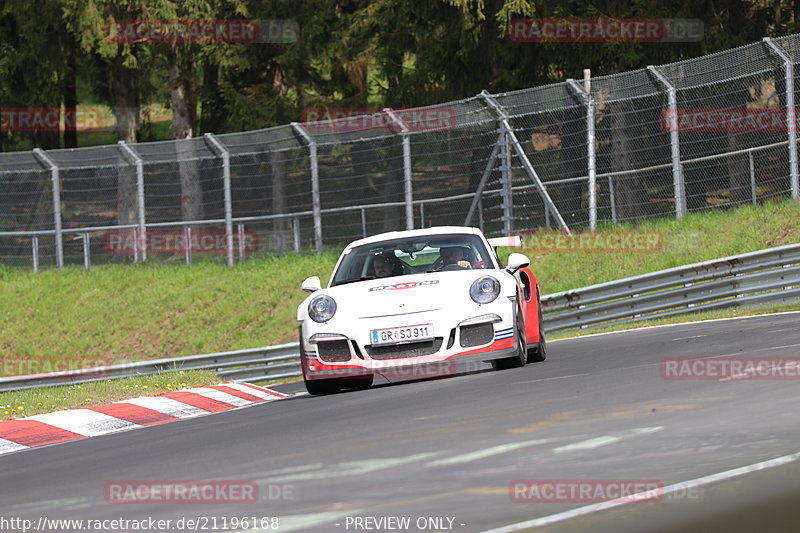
{"x":365,"y":278}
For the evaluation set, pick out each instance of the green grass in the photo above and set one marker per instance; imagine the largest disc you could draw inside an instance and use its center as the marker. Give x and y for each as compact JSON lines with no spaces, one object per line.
{"x":122,"y":313}
{"x":19,"y":404}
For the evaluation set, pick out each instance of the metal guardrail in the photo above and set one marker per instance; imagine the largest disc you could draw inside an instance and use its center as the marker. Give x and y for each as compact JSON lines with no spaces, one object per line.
{"x":766,"y":276}
{"x":255,"y":364}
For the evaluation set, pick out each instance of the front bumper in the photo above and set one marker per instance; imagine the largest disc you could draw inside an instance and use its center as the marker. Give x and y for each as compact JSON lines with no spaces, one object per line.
{"x":459,"y":345}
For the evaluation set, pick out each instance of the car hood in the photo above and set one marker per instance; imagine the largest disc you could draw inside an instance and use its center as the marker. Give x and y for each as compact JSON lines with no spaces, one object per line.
{"x":402,"y":295}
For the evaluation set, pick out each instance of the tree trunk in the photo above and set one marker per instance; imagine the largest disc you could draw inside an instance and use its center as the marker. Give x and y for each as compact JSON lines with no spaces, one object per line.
{"x":123,"y":86}
{"x":184,"y":119}
{"x":281,"y":226}
{"x":629,"y":192}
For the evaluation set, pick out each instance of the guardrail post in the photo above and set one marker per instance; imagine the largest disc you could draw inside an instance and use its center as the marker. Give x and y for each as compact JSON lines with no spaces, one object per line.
{"x":408,"y":187}
{"x":591,"y":158}
{"x":219,"y":148}
{"x":679,"y":188}
{"x":791,"y":114}
{"x":315,"y":201}
{"x":35,"y":252}
{"x":526,"y":163}
{"x":55,"y":180}
{"x":141,"y":238}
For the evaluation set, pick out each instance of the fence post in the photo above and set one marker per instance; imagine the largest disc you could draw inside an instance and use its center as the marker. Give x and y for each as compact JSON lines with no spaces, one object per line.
{"x":315,"y":201}
{"x":35,"y":251}
{"x":477,"y":202}
{"x":219,"y":149}
{"x":296,"y":234}
{"x":408,"y":187}
{"x":679,"y":188}
{"x":752,"y":176}
{"x":87,"y":262}
{"x":526,"y":163}
{"x":791,"y":114}
{"x":589,"y":102}
{"x":507,"y":191}
{"x":141,"y":241}
{"x":55,"y":180}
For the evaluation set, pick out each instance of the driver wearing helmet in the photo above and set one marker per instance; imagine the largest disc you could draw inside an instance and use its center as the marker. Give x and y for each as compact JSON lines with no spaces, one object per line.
{"x":454,"y":255}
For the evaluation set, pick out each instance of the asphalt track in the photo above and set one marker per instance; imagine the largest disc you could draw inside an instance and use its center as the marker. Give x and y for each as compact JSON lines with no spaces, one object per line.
{"x":449,"y":449}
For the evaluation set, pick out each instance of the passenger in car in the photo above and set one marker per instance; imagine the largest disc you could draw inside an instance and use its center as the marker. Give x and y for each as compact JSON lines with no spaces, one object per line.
{"x":386,"y":266}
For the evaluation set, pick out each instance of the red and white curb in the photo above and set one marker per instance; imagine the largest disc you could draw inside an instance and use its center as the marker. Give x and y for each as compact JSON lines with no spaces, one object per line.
{"x":74,"y":424}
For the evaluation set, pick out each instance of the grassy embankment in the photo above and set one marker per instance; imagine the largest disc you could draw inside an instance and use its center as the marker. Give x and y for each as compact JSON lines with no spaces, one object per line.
{"x":123,"y":313}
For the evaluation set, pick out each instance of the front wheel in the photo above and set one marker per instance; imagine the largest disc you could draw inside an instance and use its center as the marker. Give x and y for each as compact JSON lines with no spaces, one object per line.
{"x":517,"y":360}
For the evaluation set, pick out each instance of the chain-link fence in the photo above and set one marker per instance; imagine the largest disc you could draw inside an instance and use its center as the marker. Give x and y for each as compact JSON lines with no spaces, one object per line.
{"x":705,"y":133}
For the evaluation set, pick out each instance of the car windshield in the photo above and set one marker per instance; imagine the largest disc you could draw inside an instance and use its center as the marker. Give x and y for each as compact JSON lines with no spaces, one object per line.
{"x":412,"y":255}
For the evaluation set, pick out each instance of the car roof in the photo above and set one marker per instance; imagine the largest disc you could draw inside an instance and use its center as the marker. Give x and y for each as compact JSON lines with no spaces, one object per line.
{"x":436,"y":230}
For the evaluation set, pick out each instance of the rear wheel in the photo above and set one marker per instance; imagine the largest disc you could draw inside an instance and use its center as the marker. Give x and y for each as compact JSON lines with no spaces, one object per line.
{"x":537,"y":354}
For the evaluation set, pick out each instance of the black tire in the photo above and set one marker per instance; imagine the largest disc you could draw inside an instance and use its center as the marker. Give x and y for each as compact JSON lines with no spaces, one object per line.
{"x":517,"y":360}
{"x":321,"y":387}
{"x":538,"y":353}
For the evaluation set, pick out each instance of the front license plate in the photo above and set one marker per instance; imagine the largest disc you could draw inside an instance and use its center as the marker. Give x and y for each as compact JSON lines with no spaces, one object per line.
{"x":419,"y":332}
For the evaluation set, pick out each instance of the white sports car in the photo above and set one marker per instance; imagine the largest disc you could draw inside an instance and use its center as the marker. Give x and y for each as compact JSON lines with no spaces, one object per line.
{"x":419,"y":304}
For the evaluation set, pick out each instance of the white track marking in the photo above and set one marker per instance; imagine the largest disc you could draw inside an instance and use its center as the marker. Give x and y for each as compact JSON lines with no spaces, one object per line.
{"x":84,"y":422}
{"x":167,"y":406}
{"x":254,"y":392}
{"x":220,"y":396}
{"x":488,"y":452}
{"x":7,"y":446}
{"x":598,"y":442}
{"x":693,"y":483}
{"x":633,"y":330}
{"x":352,"y":468}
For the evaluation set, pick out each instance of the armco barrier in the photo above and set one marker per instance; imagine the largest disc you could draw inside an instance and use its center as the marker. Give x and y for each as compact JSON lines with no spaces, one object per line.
{"x":770,"y":276}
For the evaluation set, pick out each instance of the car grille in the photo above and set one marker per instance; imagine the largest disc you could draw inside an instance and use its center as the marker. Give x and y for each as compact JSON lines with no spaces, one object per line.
{"x":412,"y":349}
{"x":475,"y":335}
{"x":333,"y":351}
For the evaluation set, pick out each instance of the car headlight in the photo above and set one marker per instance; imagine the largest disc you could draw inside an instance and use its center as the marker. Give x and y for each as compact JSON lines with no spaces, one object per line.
{"x":484,"y":290}
{"x":322,"y":308}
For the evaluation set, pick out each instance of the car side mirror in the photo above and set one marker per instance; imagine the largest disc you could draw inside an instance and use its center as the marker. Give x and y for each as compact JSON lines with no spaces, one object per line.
{"x":311,"y":284}
{"x":517,"y":261}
